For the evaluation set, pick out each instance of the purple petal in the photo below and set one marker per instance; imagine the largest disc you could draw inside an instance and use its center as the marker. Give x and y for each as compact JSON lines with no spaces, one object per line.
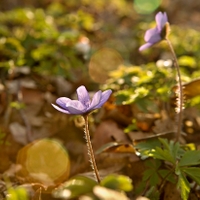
{"x":145,"y":46}
{"x":161,"y":19}
{"x":83,"y":95}
{"x":95,"y":100}
{"x":60,"y":109}
{"x":104,"y":97}
{"x":152,"y":36}
{"x":75,"y":107}
{"x":62,"y":101}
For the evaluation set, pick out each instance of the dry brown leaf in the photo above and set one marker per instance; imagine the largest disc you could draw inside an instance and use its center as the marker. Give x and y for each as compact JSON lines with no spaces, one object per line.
{"x":108,"y":131}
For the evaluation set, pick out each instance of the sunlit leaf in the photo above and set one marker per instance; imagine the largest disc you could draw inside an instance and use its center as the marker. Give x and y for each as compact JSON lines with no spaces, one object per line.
{"x":42,"y":51}
{"x":12,"y":194}
{"x":117,"y":182}
{"x":145,"y":148}
{"x":75,"y":187}
{"x":18,"y":193}
{"x":187,"y":61}
{"x":184,"y":186}
{"x":189,"y":147}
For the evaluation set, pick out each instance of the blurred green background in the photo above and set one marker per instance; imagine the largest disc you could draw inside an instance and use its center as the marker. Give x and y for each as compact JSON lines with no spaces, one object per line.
{"x":85,"y":40}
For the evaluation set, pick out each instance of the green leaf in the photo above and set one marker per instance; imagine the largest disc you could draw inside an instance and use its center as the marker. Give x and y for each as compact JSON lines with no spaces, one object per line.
{"x":18,"y":193}
{"x":145,"y":148}
{"x":190,"y":158}
{"x":187,"y":61}
{"x":155,"y":164}
{"x":193,"y":172}
{"x":117,"y":182}
{"x":184,"y":186}
{"x":22,"y":193}
{"x":153,"y":193}
{"x":153,"y":177}
{"x":170,"y":152}
{"x":75,"y":187}
{"x":163,"y":155}
{"x":174,"y":149}
{"x":151,"y":173}
{"x":12,"y":195}
{"x":168,"y":175}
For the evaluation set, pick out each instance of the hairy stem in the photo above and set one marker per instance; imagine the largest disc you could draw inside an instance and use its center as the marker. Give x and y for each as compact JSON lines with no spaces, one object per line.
{"x":179,"y":91}
{"x":90,"y":150}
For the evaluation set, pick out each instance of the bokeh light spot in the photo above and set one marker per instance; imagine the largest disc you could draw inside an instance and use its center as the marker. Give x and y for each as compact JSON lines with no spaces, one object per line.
{"x":146,"y":6}
{"x":44,"y":161}
{"x":102,"y":62}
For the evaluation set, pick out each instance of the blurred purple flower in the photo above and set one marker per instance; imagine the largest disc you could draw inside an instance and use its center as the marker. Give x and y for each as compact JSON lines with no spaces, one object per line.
{"x":83,"y":105}
{"x":154,"y":35}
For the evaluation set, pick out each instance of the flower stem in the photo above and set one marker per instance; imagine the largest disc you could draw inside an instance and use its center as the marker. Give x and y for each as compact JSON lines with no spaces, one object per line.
{"x":179,"y":91}
{"x":90,"y":150}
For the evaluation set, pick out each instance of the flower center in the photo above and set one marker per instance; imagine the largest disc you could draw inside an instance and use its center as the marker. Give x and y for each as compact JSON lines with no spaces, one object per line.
{"x":86,"y":103}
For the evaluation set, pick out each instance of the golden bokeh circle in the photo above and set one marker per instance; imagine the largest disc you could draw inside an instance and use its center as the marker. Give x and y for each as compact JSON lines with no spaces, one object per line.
{"x":44,"y":161}
{"x":102,"y":62}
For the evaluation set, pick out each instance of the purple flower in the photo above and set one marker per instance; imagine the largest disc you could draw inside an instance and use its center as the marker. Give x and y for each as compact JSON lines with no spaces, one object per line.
{"x":83,"y":105}
{"x":154,"y":35}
